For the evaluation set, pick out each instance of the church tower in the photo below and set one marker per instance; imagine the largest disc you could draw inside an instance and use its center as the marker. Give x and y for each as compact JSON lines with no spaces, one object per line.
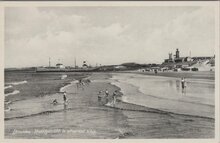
{"x":177,"y":53}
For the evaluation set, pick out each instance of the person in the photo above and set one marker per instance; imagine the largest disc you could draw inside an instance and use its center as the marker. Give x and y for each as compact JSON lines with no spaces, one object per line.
{"x":55,"y":101}
{"x":183,"y":84}
{"x":106,"y":93}
{"x":64,"y":97}
{"x":114,"y":97}
{"x":100,"y":92}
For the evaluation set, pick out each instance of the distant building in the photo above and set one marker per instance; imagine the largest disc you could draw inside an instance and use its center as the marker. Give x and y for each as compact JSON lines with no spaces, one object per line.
{"x":178,"y":59}
{"x":170,"y":60}
{"x":180,"y":62}
{"x":201,"y":58}
{"x":177,"y":54}
{"x":84,"y":65}
{"x":182,"y":59}
{"x":60,"y":66}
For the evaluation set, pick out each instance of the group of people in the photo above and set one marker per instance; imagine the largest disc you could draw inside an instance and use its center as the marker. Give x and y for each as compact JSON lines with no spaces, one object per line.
{"x":65,"y":100}
{"x":82,"y":82}
{"x":107,"y":97}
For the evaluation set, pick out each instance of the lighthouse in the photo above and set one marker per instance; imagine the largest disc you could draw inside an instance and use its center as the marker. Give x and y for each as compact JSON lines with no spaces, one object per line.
{"x":84,"y":65}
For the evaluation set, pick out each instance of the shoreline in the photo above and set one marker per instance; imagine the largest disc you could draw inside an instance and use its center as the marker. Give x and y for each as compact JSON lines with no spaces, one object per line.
{"x":133,"y":89}
{"x":85,"y":112}
{"x":186,"y":74}
{"x":39,"y":85}
{"x":140,"y":108}
{"x":123,"y":104}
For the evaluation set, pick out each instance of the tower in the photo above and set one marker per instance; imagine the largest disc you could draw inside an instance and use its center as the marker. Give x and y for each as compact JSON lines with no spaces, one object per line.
{"x":85,"y":64}
{"x":75,"y":62}
{"x":170,"y":56}
{"x":177,"y":53}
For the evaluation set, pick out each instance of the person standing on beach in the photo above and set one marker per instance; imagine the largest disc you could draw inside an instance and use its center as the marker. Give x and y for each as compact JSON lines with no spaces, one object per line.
{"x":114,"y":97}
{"x":106,"y":95}
{"x":183,"y":84}
{"x":64,"y":97}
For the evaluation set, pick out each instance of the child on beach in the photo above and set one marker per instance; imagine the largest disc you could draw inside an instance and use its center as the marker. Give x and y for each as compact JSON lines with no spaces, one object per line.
{"x":55,"y":101}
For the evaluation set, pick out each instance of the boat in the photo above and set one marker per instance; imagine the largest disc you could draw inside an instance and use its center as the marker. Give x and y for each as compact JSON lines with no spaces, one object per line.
{"x":49,"y":69}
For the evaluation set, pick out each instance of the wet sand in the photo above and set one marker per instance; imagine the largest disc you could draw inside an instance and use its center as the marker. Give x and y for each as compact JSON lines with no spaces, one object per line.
{"x":186,"y":74}
{"x":86,"y":118}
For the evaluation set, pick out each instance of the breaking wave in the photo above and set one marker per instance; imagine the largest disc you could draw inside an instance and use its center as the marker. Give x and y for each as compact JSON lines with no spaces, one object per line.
{"x":13,"y":93}
{"x":132,"y":108}
{"x":63,"y":76}
{"x":62,"y":89}
{"x":153,"y":110}
{"x":17,"y":83}
{"x":37,"y":114}
{"x":9,"y":86}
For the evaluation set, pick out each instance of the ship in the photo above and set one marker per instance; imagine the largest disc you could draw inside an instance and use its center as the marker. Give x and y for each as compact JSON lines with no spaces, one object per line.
{"x":49,"y":69}
{"x":61,"y":68}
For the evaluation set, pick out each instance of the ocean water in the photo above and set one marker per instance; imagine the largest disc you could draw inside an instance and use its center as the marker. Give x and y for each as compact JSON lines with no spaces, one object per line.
{"x":84,"y":117}
{"x":165,"y":93}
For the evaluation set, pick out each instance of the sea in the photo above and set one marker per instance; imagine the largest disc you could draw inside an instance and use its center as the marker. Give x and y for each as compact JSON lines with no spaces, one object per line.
{"x":166,"y":94}
{"x":192,"y":110}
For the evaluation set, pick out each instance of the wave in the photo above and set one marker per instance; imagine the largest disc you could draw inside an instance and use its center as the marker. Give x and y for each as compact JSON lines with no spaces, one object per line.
{"x":37,"y":114}
{"x":179,"y":100}
{"x":152,"y":110}
{"x":63,"y":76}
{"x":62,"y":89}
{"x":7,"y":110}
{"x":9,"y":86}
{"x":8,"y":102}
{"x":17,"y":83}
{"x":139,"y":90}
{"x":133,"y":107}
{"x":31,"y":115}
{"x":13,"y":93}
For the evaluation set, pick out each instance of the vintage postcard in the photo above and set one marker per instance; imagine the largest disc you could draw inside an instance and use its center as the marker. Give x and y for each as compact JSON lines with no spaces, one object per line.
{"x":110,"y":70}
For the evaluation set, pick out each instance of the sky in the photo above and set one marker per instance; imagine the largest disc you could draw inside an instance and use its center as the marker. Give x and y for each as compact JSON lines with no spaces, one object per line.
{"x":106,"y":35}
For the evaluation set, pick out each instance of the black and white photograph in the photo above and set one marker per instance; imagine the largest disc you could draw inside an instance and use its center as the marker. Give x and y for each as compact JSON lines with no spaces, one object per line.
{"x":111,"y":72}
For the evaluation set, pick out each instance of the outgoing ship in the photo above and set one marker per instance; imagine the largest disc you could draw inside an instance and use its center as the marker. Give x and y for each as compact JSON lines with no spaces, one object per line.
{"x":61,"y":68}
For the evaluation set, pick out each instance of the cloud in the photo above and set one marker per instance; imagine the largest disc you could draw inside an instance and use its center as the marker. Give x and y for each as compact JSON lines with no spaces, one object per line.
{"x":191,"y":31}
{"x":35,"y":34}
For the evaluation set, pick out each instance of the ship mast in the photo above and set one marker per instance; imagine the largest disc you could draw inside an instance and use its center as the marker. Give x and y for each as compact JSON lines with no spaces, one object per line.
{"x":75,"y":61}
{"x":49,"y":61}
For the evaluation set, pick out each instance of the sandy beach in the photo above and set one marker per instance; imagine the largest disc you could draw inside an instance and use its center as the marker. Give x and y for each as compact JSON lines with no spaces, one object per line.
{"x":85,"y":117}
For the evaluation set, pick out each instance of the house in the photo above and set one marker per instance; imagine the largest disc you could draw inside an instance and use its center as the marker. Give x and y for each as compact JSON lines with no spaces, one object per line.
{"x":60,"y":66}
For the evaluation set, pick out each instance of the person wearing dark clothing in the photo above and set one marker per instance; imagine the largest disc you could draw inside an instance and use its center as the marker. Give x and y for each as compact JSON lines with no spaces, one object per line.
{"x":64,"y":97}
